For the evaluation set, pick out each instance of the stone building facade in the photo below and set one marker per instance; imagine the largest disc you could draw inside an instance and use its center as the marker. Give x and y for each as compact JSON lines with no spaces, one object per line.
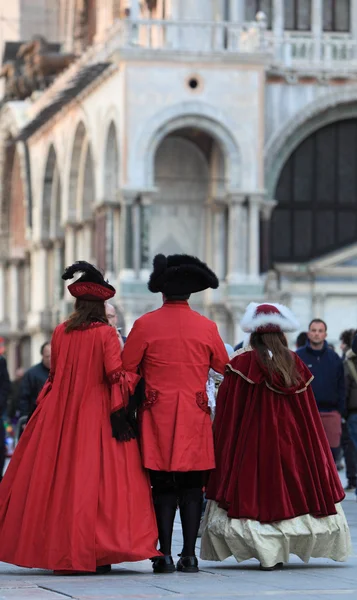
{"x":222,"y":128}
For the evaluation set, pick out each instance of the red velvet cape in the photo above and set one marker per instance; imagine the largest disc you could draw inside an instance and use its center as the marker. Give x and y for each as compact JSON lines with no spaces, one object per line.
{"x":273,"y":461}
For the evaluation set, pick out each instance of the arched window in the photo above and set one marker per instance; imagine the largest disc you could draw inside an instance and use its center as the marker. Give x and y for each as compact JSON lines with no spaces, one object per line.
{"x":317,"y":195}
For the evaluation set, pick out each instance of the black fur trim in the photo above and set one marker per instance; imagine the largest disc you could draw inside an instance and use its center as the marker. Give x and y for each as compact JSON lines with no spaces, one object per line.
{"x":180,"y":274}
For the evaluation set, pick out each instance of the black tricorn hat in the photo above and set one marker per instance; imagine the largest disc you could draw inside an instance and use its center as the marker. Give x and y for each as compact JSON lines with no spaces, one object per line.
{"x":180,"y":274}
{"x":91,"y":285}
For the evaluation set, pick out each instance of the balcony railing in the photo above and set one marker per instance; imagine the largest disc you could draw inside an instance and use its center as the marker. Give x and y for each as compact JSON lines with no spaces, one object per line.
{"x":189,"y":36}
{"x":304,"y":52}
{"x":292,"y":50}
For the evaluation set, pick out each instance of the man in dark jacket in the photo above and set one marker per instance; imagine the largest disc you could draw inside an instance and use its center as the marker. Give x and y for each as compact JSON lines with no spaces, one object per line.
{"x":33,"y":382}
{"x":328,"y":383}
{"x":4,"y":392}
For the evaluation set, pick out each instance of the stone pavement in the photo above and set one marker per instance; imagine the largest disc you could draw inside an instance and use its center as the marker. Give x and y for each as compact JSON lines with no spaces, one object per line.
{"x":216,"y":581}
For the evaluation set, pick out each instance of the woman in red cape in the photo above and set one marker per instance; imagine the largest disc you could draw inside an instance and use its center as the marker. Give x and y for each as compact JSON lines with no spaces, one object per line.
{"x":275,"y":490}
{"x":75,"y":497}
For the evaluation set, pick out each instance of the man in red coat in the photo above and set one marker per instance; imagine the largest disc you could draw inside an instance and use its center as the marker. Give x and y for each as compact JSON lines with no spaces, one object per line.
{"x":174,"y":348}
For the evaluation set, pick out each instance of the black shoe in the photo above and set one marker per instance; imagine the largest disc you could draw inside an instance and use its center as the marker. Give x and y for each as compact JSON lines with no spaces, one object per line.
{"x":103,"y":570}
{"x":163,"y":564}
{"x":274,"y":568}
{"x":350,"y":488}
{"x":188,"y":564}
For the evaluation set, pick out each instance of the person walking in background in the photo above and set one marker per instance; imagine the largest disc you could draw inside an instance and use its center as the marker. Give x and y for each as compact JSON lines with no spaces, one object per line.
{"x":329,"y":381}
{"x":5,"y":387}
{"x":350,"y":365}
{"x":301,"y":340}
{"x":174,"y":347}
{"x":347,"y":445}
{"x":75,"y":497}
{"x":275,"y":490}
{"x":33,"y":381}
{"x":112,"y":316}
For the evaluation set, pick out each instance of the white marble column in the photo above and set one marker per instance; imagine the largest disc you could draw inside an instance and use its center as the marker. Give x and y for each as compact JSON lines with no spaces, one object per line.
{"x":70,"y":250}
{"x":237,"y":11}
{"x":87,"y":242}
{"x":58,"y":269}
{"x":219,"y":240}
{"x":137,"y":237}
{"x":353,"y":19}
{"x":135,"y":10}
{"x":278,"y":27}
{"x":254,"y":207}
{"x":236,"y":238}
{"x":14,"y":295}
{"x":39,"y":278}
{"x":317,"y":27}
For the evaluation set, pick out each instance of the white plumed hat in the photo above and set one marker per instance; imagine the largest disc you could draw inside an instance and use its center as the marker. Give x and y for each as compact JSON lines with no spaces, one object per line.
{"x":268,"y":318}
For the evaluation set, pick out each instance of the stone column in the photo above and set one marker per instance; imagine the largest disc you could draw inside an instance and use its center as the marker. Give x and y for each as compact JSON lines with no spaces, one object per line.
{"x":58,"y":268}
{"x":109,"y":240}
{"x":316,"y":27}
{"x":127,"y":200}
{"x":145,"y":207}
{"x":135,"y":10}
{"x":318,"y":306}
{"x":236,"y":238}
{"x":219,"y":239}
{"x":14,"y":293}
{"x":39,"y":278}
{"x":236,"y":11}
{"x":278,"y":27}
{"x":136,"y":208}
{"x":278,"y":18}
{"x":87,"y":241}
{"x":70,"y":250}
{"x":353,"y":19}
{"x":266,"y":211}
{"x":254,"y":206}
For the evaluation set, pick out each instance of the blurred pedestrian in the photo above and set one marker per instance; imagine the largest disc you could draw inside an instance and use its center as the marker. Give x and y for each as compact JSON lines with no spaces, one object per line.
{"x":301,"y":340}
{"x":112,"y":316}
{"x":348,"y":450}
{"x":75,"y":497}
{"x":329,"y":382}
{"x":33,"y":381}
{"x":275,"y":490}
{"x":4,"y":393}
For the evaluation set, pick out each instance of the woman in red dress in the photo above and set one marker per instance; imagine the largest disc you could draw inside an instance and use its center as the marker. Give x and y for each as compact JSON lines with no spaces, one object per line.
{"x":75,"y":497}
{"x":275,"y":490}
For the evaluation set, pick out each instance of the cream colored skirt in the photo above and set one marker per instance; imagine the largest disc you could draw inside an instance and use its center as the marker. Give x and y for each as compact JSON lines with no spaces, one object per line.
{"x":306,"y":536}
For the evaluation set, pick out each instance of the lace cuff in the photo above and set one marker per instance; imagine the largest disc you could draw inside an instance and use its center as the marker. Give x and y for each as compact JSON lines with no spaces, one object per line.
{"x":122,"y":385}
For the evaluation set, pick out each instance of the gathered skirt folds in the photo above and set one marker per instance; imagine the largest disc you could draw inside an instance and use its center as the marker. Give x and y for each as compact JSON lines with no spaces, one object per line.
{"x":306,"y":537}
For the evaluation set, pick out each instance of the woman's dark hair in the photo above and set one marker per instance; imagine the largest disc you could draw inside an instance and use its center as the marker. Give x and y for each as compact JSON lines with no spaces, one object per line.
{"x":280,"y":360}
{"x":347,"y":336}
{"x":301,"y":340}
{"x":85,"y":313}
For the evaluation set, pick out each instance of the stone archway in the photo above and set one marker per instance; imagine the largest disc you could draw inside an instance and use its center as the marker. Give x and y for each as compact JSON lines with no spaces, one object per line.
{"x":240,"y":168}
{"x":190,"y":177}
{"x":333,"y":106}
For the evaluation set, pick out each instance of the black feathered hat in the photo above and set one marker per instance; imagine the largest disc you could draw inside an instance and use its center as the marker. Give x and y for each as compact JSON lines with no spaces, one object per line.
{"x":91,"y":285}
{"x":180,"y":274}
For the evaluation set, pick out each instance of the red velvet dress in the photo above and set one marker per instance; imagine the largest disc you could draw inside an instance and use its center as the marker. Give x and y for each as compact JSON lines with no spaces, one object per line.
{"x":73,"y":498}
{"x":273,"y":460}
